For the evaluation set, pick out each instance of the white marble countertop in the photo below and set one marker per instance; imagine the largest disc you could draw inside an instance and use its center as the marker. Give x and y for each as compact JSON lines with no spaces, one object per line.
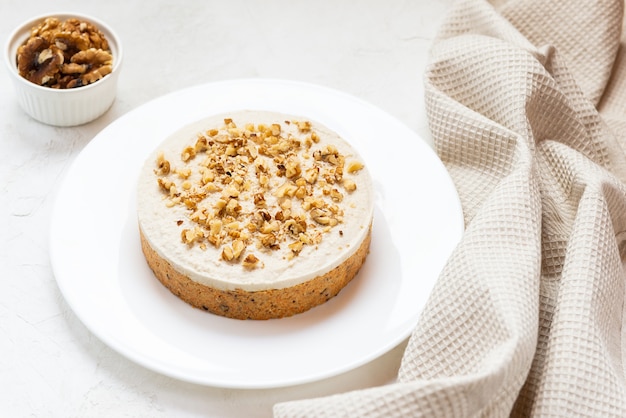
{"x":51,"y":365}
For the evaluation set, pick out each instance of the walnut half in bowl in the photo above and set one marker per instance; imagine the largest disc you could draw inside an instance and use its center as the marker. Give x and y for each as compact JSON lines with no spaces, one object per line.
{"x":64,"y":67}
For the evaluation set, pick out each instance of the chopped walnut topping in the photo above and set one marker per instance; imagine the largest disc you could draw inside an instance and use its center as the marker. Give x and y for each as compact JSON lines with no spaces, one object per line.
{"x":304,"y":126}
{"x":254,"y":188}
{"x":349,"y":185}
{"x":189,"y":236}
{"x":163,"y":166}
{"x":354,"y":166}
{"x":259,"y":199}
{"x":311,"y":175}
{"x":296,"y":247}
{"x":251,"y":261}
{"x":227,"y":253}
{"x":188,"y":153}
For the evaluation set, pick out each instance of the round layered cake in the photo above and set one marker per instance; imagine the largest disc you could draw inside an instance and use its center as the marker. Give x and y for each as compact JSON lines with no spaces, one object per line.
{"x":254,"y":214}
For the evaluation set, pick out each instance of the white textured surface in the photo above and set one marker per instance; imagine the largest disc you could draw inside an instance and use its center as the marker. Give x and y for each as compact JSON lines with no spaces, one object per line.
{"x":51,"y":365}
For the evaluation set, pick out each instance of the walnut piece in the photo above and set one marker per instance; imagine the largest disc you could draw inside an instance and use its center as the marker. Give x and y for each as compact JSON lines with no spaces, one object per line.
{"x":64,"y":55}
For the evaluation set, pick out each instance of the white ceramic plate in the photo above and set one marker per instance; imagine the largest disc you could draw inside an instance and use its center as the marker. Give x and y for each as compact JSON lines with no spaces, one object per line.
{"x":99,"y":267}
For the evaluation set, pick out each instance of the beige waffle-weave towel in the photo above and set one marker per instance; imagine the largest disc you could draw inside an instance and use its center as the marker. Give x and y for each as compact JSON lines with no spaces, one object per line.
{"x":526,"y":101}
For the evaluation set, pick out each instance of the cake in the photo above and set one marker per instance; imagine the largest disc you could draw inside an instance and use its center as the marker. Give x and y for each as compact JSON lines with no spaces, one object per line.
{"x":255,"y":214}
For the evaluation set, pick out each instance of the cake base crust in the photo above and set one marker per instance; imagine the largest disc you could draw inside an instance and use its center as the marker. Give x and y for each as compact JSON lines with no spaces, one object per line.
{"x":262,"y":304}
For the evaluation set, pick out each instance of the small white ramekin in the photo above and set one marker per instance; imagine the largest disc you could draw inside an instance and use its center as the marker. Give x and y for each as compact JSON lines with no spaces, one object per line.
{"x":63,"y":107}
